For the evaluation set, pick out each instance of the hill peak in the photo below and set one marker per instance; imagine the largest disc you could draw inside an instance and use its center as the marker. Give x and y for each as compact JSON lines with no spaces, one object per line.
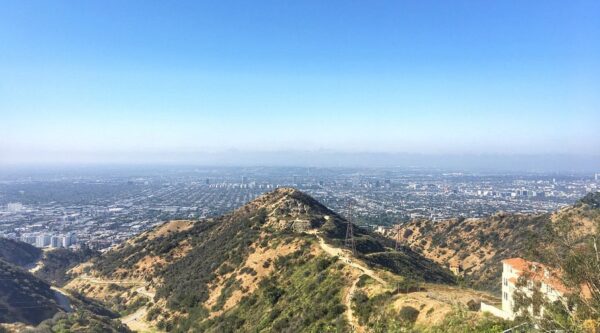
{"x":289,"y":208}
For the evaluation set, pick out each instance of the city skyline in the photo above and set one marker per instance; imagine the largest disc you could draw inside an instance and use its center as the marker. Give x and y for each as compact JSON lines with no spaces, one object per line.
{"x":143,"y":83}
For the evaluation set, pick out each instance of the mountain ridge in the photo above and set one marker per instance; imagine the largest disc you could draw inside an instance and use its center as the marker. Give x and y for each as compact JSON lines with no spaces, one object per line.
{"x":478,"y":245}
{"x":202,"y":274}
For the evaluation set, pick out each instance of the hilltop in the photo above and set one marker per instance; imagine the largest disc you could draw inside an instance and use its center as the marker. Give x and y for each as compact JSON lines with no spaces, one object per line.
{"x":479,"y":245}
{"x":277,"y":263}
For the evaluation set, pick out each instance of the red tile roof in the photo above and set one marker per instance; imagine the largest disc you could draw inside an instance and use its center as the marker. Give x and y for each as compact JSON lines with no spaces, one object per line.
{"x":536,"y":272}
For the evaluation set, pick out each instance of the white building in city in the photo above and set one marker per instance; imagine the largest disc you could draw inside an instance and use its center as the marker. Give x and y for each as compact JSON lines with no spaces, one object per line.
{"x":14,"y":207}
{"x":48,"y":240}
{"x":68,"y":240}
{"x":42,"y":240}
{"x":55,"y":241}
{"x":28,"y":238}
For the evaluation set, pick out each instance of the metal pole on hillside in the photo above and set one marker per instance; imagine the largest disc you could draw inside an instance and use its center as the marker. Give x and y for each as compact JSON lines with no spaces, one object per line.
{"x":397,"y":228}
{"x":350,"y":243}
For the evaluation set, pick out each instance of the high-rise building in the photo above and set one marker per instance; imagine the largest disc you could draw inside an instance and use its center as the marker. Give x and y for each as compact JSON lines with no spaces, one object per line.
{"x":42,"y":240}
{"x":28,"y":238}
{"x":55,"y":241}
{"x":65,"y":241}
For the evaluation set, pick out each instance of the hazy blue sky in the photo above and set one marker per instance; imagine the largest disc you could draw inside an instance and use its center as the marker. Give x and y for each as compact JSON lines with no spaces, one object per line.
{"x":107,"y":78}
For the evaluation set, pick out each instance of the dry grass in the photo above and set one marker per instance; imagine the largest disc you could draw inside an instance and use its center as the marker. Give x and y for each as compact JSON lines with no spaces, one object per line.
{"x":169,"y":227}
{"x":436,"y":301}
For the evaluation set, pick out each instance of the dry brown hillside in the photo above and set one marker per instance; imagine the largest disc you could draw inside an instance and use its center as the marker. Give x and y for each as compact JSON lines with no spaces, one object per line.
{"x":277,"y":263}
{"x":479,"y":245}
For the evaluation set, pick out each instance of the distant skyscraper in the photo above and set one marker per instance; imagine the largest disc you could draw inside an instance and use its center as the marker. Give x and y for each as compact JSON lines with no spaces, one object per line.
{"x":597,"y":176}
{"x":244,"y":179}
{"x":207,"y":181}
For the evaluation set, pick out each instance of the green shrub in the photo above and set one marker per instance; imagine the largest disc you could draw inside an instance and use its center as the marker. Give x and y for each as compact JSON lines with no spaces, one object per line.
{"x":408,"y":314}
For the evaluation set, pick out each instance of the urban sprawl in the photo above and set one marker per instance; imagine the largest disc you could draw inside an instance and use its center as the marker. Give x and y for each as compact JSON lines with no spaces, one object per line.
{"x":100,"y":209}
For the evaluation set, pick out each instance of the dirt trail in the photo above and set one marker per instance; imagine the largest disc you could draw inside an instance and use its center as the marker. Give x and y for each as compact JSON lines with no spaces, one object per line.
{"x":105,"y":281}
{"x":137,"y":321}
{"x":142,"y":291}
{"x":35,"y":267}
{"x":348,"y":260}
{"x":354,"y":324}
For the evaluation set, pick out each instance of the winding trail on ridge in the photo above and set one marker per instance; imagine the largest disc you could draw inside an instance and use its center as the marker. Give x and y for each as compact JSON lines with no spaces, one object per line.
{"x":136,"y":321}
{"x":106,"y":281}
{"x":347,"y":259}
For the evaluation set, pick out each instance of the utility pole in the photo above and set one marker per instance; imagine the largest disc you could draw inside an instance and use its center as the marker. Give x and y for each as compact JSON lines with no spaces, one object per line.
{"x":349,"y":243}
{"x":397,"y":228}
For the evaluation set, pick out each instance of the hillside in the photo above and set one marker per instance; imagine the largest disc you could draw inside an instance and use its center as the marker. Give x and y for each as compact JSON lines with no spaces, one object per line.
{"x":29,"y":299}
{"x":29,"y":304}
{"x":23,"y":297}
{"x":50,"y":264}
{"x":55,"y":263}
{"x":479,"y":245}
{"x":18,"y":253}
{"x":275,"y":264}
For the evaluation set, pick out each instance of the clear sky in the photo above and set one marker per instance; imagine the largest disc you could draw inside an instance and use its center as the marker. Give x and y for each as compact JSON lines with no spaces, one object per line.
{"x":107,"y":78}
